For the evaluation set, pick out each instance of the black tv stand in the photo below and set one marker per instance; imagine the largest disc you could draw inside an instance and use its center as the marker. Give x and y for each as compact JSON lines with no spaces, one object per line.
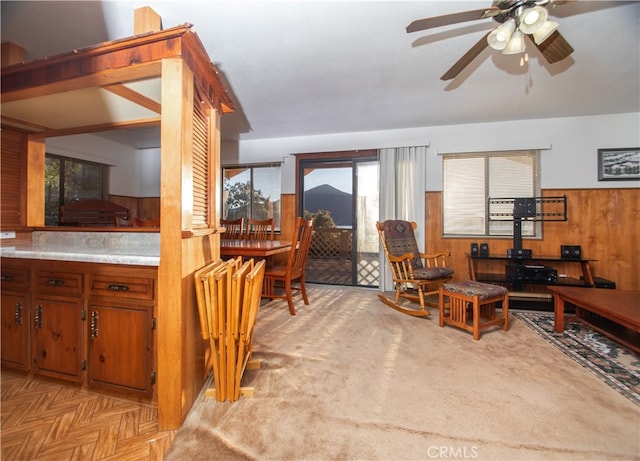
{"x":496,"y":273}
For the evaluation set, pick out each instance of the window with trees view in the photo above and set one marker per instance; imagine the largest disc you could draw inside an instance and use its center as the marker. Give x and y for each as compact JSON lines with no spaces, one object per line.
{"x":252,"y":191}
{"x":470,"y":179}
{"x":68,"y":180}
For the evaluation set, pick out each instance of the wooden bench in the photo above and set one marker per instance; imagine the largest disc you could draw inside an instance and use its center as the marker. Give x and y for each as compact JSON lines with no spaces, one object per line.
{"x":92,"y":213}
{"x":618,"y":306}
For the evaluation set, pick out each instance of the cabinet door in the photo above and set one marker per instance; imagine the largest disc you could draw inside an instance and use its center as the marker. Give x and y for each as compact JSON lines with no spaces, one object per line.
{"x":57,"y":337}
{"x":120,"y":346}
{"x":15,"y":331}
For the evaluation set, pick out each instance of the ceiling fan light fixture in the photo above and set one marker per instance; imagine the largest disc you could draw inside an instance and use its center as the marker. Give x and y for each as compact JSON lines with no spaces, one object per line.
{"x":532,"y":19}
{"x":516,"y":44}
{"x":501,"y":35}
{"x":544,"y":32}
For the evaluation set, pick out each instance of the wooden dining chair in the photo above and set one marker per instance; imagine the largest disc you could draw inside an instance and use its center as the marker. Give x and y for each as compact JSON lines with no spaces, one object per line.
{"x":282,"y":277}
{"x":260,"y":229}
{"x":234,"y":228}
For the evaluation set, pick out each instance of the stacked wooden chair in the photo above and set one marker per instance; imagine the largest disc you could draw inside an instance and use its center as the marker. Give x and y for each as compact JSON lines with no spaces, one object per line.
{"x":416,"y":275}
{"x":228,"y":296}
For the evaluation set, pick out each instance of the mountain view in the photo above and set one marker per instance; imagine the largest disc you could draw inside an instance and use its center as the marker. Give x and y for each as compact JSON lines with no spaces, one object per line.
{"x":326,"y":197}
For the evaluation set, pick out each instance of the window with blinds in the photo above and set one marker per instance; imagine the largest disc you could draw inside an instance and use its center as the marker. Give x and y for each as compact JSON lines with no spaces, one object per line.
{"x":470,"y":179}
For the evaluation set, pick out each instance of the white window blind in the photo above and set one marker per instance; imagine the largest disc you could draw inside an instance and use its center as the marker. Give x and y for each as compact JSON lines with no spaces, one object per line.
{"x":470,"y":179}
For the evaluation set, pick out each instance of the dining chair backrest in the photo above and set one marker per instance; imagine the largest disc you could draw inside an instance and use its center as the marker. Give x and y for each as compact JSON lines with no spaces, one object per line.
{"x":300,"y":249}
{"x":260,"y":229}
{"x":234,"y":228}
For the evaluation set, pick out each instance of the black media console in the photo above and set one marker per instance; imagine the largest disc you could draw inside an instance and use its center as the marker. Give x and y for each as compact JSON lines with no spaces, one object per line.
{"x":525,"y":277}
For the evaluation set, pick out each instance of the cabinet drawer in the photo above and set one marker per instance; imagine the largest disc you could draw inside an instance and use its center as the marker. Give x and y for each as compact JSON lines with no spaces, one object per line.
{"x":122,"y":287}
{"x":15,"y":278}
{"x":64,"y":283}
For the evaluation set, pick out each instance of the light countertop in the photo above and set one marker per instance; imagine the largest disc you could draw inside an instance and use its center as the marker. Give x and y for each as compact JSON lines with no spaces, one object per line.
{"x":137,"y":249}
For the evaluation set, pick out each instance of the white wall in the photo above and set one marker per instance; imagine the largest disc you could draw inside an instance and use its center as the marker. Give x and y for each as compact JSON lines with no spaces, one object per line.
{"x":569,"y":158}
{"x":134,"y":173}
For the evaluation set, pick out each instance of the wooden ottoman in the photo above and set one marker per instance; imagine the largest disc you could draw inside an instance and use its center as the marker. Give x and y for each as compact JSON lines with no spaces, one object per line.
{"x":472,"y":306}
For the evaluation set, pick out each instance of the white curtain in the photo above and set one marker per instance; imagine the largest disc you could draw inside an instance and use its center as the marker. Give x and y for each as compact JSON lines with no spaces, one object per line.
{"x":402,"y":189}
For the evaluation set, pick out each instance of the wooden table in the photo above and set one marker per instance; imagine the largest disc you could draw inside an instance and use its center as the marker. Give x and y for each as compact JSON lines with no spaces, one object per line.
{"x":253,"y":248}
{"x":619,"y":306}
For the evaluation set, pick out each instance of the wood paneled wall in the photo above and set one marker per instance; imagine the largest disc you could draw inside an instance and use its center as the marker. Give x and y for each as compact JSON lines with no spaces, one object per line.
{"x":143,"y":207}
{"x":604,"y":222}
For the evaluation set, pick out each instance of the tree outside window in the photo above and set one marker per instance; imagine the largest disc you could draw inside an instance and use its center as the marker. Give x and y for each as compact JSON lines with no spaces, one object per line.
{"x":69,"y":180}
{"x":252,"y":192}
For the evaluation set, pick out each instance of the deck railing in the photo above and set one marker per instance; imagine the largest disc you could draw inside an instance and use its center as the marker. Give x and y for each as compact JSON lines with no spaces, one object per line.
{"x":330,"y":259}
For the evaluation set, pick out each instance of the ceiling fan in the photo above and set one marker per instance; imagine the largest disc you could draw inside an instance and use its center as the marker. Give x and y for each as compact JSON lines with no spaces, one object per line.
{"x":517,"y":18}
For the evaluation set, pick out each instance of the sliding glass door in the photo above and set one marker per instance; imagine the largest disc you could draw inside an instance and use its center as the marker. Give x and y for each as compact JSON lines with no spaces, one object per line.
{"x":340,"y":192}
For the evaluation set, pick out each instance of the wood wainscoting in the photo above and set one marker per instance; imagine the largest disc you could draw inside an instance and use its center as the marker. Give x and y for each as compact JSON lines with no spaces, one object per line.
{"x":604,"y":222}
{"x":141,"y":207}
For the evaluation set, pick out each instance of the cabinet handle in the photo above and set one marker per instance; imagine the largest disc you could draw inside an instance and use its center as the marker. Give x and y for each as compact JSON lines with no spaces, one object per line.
{"x":55,"y":282}
{"x":6,"y":278}
{"x":119,"y":287}
{"x":37,"y":319}
{"x":18,"y":314}
{"x":94,"y":324}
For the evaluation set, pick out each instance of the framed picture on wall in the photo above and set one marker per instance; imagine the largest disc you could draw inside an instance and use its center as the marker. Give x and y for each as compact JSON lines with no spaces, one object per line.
{"x":620,"y":164}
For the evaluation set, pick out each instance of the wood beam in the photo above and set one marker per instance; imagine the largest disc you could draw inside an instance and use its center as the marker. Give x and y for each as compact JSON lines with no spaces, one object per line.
{"x":11,"y":54}
{"x":111,"y":62}
{"x":135,"y":97}
{"x":35,"y":180}
{"x":128,"y":124}
{"x":145,"y":20}
{"x":102,"y":78}
{"x":177,"y":95}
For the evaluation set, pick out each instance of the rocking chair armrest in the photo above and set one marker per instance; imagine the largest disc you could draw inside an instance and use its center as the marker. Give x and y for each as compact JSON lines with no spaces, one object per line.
{"x":435,"y":255}
{"x":404,"y":257}
{"x":438,"y":259}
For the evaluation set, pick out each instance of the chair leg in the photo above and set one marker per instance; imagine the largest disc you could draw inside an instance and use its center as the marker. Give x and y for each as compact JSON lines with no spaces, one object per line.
{"x":287,"y":291}
{"x":476,"y":318}
{"x":441,"y":307}
{"x":303,"y":289}
{"x":421,"y":297}
{"x":505,"y":313}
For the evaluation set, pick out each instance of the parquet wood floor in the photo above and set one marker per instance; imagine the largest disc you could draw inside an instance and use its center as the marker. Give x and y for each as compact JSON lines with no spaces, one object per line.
{"x":43,"y":420}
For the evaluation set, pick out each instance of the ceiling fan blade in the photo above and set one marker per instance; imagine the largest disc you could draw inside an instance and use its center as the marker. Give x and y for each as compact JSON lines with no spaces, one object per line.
{"x":555,"y":48}
{"x":453,"y":18}
{"x":465,"y":60}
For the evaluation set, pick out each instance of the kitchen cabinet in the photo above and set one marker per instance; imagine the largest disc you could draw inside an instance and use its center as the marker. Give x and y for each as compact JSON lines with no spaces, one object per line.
{"x":15,"y":314}
{"x":57,"y":323}
{"x":57,"y":336}
{"x":87,"y":323}
{"x":118,"y":303}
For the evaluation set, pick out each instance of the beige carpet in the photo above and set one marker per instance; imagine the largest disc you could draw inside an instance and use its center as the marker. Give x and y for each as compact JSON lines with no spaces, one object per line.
{"x":349,"y":378}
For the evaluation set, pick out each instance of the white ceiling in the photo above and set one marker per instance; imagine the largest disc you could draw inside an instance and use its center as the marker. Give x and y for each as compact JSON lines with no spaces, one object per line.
{"x":298,"y":68}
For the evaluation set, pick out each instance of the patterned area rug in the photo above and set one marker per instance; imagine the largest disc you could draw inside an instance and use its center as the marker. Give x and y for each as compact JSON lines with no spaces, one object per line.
{"x":615,"y":364}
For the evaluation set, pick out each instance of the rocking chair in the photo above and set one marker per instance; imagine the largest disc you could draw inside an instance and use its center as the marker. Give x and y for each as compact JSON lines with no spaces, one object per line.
{"x":415,"y":275}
